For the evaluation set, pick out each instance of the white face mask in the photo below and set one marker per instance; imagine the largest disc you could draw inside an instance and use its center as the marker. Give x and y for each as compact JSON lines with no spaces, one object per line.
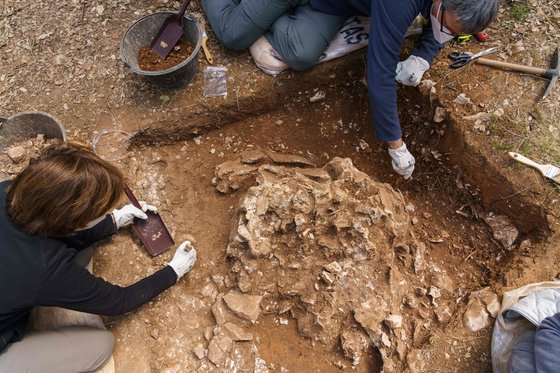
{"x":441,"y":33}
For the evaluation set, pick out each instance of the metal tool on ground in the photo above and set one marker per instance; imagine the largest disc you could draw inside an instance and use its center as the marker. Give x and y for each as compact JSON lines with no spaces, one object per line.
{"x":551,"y":73}
{"x":461,"y":59}
{"x":152,"y":232}
{"x":170,"y":32}
{"x":549,"y":171}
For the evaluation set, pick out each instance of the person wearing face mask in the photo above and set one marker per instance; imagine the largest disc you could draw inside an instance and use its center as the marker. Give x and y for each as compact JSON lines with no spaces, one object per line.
{"x":388,"y":25}
{"x":300,"y":30}
{"x":50,"y":214}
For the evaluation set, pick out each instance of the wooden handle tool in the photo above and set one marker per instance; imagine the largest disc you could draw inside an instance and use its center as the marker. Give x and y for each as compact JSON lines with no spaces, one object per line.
{"x":207,"y":53}
{"x":549,"y":171}
{"x":512,"y":66}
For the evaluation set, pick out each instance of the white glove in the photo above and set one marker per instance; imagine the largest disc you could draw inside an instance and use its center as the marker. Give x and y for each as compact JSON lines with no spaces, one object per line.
{"x":403,"y":162}
{"x":125,"y":215}
{"x":183,"y":261}
{"x":410,"y":71}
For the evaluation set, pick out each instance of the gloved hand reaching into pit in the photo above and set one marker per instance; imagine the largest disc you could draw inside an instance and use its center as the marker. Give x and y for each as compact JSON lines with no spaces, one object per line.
{"x":410,"y":71}
{"x":183,"y":261}
{"x":402,"y":161}
{"x":125,"y":215}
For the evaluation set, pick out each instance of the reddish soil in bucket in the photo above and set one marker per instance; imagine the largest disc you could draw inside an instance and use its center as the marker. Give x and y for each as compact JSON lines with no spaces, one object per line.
{"x":149,"y":60}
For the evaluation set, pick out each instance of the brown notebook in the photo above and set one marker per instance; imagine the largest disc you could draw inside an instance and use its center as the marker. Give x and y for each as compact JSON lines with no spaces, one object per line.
{"x":152,"y":231}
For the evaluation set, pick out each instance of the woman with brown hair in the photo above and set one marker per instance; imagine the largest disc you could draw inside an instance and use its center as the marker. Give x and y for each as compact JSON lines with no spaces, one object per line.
{"x":49,"y":215}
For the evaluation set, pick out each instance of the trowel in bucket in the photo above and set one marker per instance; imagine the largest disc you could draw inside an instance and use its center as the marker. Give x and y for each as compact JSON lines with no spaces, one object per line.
{"x":152,"y":231}
{"x":170,"y":33}
{"x":549,"y":171}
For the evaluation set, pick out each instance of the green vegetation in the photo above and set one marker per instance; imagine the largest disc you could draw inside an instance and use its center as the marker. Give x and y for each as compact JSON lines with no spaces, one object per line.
{"x":534,"y":133}
{"x":500,"y":146}
{"x":491,"y":127}
{"x":520,"y":11}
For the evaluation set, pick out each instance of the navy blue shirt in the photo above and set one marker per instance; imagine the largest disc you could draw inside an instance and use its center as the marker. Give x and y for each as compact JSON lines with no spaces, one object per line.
{"x":37,"y":271}
{"x":390,"y":20}
{"x":547,"y":345}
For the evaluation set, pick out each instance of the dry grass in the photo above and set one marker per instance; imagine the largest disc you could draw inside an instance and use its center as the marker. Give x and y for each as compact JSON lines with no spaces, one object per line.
{"x":529,"y":33}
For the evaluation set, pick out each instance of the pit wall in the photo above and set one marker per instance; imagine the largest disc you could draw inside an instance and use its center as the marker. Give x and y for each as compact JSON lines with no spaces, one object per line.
{"x":196,"y":116}
{"x":498,"y":193}
{"x":482,"y":166}
{"x":250,"y":93}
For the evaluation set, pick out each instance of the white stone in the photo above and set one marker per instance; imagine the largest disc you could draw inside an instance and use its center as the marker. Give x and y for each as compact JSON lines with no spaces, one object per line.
{"x":439,"y":115}
{"x":462,"y":99}
{"x":394,"y":321}
{"x":319,"y":96}
{"x":199,"y":351}
{"x":475,"y":317}
{"x":16,"y":154}
{"x":243,"y":305}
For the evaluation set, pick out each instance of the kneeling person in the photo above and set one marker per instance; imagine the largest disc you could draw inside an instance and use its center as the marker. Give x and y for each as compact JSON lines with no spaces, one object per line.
{"x":49,"y":215}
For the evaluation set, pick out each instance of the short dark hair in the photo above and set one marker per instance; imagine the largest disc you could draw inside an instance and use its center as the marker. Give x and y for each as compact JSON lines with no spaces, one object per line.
{"x":473,"y":15}
{"x":65,"y":188}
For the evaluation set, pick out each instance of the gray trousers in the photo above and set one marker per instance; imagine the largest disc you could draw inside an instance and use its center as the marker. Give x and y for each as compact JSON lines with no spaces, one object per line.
{"x":297,"y":32}
{"x":68,"y":349}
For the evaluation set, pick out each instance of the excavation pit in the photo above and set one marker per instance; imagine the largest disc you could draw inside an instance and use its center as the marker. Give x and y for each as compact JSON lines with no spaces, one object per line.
{"x":423,"y":285}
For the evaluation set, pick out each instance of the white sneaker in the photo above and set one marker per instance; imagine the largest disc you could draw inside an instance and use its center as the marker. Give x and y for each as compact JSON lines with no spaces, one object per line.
{"x":267,"y":58}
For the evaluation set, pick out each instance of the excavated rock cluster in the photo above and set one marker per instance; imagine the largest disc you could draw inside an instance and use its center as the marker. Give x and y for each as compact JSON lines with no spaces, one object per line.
{"x":333,"y":249}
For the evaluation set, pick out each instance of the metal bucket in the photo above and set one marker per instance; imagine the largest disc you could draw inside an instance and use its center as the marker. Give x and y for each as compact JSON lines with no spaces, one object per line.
{"x":143,"y":31}
{"x":23,"y":126}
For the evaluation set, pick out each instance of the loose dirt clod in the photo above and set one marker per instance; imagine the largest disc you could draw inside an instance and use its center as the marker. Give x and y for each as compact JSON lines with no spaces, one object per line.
{"x":149,"y":60}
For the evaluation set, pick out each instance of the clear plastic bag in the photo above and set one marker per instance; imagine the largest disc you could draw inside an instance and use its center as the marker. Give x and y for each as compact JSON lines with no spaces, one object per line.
{"x":215,"y":81}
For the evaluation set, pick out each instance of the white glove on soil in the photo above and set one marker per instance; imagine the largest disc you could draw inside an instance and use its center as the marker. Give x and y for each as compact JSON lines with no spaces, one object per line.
{"x":403,"y":162}
{"x":183,"y":261}
{"x":125,"y":215}
{"x":410,"y":71}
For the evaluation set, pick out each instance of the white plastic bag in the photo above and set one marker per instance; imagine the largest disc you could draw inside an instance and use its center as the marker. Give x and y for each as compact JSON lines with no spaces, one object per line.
{"x":508,"y":330}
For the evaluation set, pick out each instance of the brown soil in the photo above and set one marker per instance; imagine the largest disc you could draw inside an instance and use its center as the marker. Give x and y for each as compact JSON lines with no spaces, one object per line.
{"x":111,"y":145}
{"x":149,"y":60}
{"x":178,"y":179}
{"x":462,"y":173}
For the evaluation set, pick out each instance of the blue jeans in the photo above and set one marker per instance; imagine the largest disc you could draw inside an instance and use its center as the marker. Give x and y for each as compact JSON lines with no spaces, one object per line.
{"x":297,"y":32}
